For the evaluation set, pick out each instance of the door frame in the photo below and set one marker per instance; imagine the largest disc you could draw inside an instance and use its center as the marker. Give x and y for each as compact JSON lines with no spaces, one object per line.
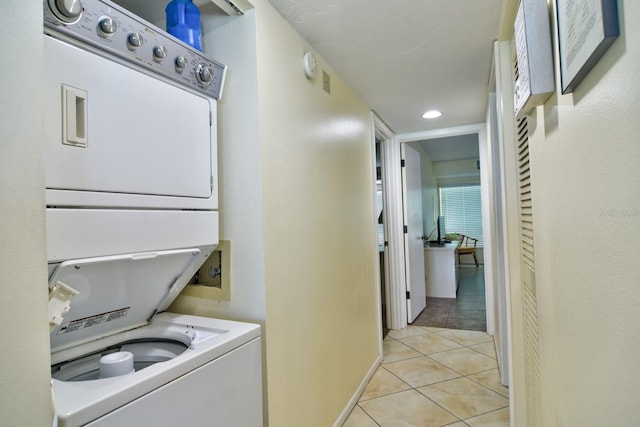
{"x":396,"y":310}
{"x":502,"y":134}
{"x":481,"y":130}
{"x":392,"y":214}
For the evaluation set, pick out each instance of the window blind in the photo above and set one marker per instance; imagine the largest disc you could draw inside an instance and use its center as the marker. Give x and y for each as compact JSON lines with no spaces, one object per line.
{"x":379,"y":204}
{"x":461,"y":207}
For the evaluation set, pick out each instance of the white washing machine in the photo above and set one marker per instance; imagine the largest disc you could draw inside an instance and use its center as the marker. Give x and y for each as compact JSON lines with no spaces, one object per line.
{"x":132,"y":198}
{"x":119,"y":360}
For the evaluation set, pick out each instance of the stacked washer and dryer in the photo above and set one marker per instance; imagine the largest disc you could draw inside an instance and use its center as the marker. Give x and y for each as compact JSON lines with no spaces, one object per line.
{"x":132,"y":199}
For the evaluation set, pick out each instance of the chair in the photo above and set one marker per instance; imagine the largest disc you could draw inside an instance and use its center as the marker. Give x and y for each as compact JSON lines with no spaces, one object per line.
{"x":467,"y":246}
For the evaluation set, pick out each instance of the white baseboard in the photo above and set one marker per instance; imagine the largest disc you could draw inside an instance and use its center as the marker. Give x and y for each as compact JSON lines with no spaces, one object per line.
{"x":356,"y":396}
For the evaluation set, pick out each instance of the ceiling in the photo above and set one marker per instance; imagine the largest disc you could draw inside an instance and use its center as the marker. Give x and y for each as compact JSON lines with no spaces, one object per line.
{"x":460,"y":147}
{"x":404,"y":57}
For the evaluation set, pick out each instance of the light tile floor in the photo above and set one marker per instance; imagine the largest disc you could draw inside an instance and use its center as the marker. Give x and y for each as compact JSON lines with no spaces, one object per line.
{"x":433,"y":377}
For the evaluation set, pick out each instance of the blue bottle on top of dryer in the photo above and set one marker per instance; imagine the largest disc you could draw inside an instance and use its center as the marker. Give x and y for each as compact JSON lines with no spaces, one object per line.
{"x":183,"y":22}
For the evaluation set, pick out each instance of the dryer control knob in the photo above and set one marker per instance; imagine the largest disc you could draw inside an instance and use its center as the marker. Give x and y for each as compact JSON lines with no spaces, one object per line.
{"x":204,"y":74}
{"x":181,"y":63}
{"x":107,"y":25}
{"x":68,"y":11}
{"x":134,"y":40}
{"x":159,"y":53}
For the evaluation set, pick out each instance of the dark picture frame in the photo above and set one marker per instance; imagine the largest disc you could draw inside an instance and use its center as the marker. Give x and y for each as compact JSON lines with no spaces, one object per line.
{"x":586,"y":29}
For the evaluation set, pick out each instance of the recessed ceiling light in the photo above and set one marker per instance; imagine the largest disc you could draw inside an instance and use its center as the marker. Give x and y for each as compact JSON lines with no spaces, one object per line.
{"x":432,"y":114}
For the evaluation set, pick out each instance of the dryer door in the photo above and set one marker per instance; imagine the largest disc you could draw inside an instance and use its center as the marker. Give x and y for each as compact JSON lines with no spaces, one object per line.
{"x":113,"y":130}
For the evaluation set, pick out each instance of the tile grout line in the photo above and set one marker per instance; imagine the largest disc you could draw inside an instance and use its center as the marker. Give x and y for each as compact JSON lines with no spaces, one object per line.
{"x":458,"y":419}
{"x":412,"y":388}
{"x":469,"y":346}
{"x":368,"y":415}
{"x":479,"y":415}
{"x":461,"y":375}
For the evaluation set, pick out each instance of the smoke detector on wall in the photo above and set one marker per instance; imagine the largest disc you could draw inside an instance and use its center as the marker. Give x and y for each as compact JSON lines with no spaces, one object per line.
{"x":310,"y":65}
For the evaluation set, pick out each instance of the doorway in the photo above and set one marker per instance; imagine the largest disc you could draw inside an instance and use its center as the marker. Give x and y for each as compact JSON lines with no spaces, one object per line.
{"x":473,"y":279}
{"x":391,"y":252}
{"x":455,"y":284}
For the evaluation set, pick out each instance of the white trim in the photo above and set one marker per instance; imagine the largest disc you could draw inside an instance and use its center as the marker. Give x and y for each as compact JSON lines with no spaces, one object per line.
{"x":392,"y":213}
{"x":375,"y":230}
{"x":481,"y":130}
{"x":498,"y":110}
{"x":488,"y":229}
{"x":506,"y":135}
{"x":439,"y":133}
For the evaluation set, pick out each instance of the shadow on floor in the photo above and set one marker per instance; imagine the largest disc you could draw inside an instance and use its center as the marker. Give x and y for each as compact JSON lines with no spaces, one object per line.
{"x":467,"y":311}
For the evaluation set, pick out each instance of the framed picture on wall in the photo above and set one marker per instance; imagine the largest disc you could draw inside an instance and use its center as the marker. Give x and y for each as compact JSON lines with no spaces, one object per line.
{"x":586,"y":29}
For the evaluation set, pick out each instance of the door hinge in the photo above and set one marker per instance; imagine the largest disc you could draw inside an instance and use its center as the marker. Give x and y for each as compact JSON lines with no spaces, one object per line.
{"x":386,"y":244}
{"x":211,"y":183}
{"x":402,"y":163}
{"x":405,"y":229}
{"x":210,"y":118}
{"x":408,"y":295}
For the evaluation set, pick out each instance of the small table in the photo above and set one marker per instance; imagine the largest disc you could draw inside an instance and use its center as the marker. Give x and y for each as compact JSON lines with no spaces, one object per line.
{"x":441,"y":272}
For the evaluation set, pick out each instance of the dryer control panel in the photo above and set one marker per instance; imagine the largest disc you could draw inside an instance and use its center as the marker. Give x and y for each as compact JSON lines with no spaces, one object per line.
{"x":107,"y":28}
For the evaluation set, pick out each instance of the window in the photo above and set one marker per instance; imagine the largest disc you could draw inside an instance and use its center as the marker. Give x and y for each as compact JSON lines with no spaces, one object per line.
{"x":379,"y":205}
{"x":461,"y":207}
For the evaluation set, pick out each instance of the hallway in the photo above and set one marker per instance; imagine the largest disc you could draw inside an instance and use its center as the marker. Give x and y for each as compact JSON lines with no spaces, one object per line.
{"x":467,"y":311}
{"x":433,"y":377}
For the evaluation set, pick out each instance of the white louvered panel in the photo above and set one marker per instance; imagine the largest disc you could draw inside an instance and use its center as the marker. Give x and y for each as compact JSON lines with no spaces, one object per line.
{"x":532,"y":364}
{"x":523,"y":167}
{"x":527,"y":253}
{"x":524,"y":183}
{"x":532,"y":359}
{"x":526,"y":240}
{"x":526,"y":211}
{"x":523,"y":159}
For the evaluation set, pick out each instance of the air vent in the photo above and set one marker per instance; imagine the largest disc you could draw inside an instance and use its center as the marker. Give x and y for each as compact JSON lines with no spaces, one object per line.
{"x":229,"y":7}
{"x":326,"y":82}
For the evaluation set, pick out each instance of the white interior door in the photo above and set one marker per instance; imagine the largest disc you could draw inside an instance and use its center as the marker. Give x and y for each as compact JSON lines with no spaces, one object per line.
{"x":413,"y":244}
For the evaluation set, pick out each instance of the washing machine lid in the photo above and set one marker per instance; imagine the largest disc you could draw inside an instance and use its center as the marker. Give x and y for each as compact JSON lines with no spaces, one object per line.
{"x":118,"y":293}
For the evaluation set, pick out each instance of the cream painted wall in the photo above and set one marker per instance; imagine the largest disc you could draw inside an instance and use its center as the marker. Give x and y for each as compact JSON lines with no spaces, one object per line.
{"x":297,"y":204}
{"x":24,"y":371}
{"x":239,"y":174}
{"x":585,"y":159}
{"x":239,"y":171}
{"x":457,"y":171}
{"x":322,"y":319}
